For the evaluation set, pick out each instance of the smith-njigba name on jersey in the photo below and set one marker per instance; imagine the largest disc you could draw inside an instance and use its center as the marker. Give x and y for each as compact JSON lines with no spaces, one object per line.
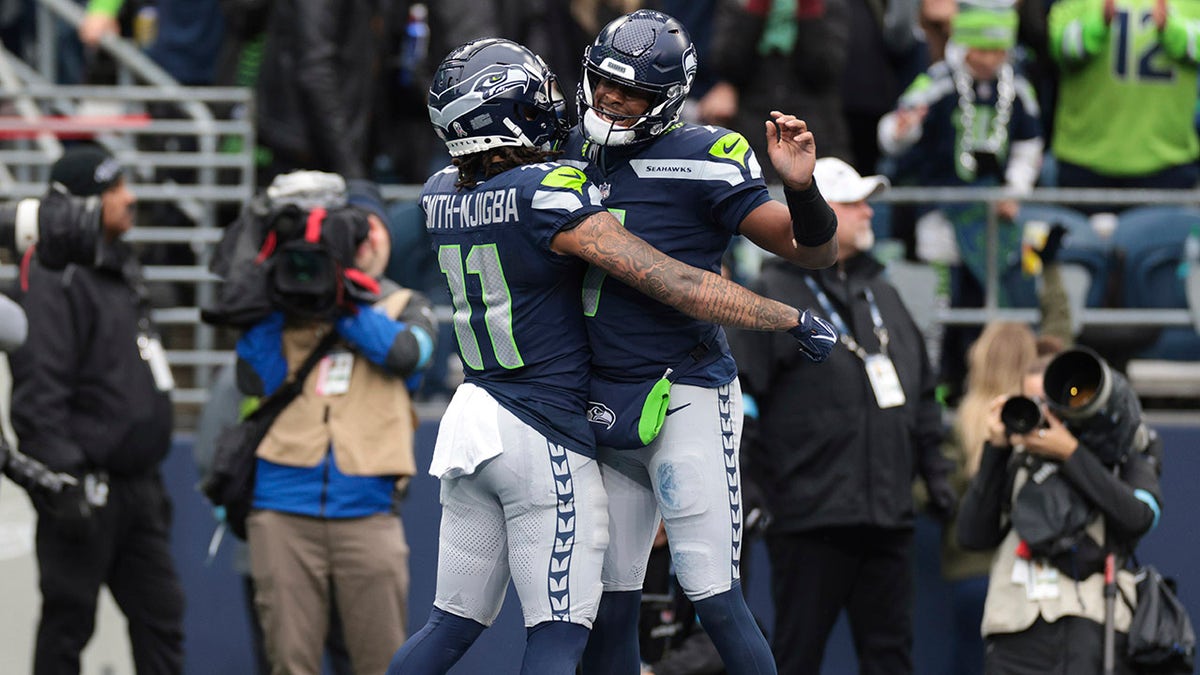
{"x":471,"y":209}
{"x":518,"y":317}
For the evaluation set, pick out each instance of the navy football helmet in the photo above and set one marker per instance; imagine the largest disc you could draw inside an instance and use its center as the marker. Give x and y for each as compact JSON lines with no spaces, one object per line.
{"x":491,"y":93}
{"x":648,"y":51}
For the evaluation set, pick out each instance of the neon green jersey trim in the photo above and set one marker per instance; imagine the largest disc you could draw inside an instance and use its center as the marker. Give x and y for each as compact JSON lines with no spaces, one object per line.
{"x":731,"y":146}
{"x":566,"y":177}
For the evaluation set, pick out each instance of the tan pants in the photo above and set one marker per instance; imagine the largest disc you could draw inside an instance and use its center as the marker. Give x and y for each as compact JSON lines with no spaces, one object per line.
{"x":295,"y":559}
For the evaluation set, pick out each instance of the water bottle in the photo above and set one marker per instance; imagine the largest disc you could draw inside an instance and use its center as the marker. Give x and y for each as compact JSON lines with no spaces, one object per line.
{"x":145,"y":26}
{"x":416,"y":44}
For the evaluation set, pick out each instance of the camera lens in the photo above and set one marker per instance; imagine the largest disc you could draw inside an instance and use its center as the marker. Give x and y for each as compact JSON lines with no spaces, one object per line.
{"x":1021,"y":415}
{"x":302,"y":267}
{"x":19,"y":225}
{"x":1077,"y":383}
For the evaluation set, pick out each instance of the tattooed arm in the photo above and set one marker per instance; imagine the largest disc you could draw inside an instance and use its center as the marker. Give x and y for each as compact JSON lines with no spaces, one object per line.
{"x":600,"y":240}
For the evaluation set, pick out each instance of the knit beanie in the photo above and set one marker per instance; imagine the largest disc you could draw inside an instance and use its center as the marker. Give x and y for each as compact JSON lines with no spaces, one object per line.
{"x":365,"y":194}
{"x":985,"y":24}
{"x":86,"y":170}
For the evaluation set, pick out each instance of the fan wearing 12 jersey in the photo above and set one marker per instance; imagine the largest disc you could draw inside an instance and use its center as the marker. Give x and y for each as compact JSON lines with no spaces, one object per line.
{"x":687,"y":190}
{"x":521,"y":492}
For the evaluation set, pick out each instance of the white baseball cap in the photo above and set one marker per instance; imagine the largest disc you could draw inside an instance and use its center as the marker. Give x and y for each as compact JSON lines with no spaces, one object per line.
{"x":839,"y":182}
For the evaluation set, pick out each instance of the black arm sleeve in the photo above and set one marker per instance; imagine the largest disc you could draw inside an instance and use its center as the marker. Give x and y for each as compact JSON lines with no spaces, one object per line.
{"x":813,"y":221}
{"x":1128,"y":516}
{"x":979,"y":514}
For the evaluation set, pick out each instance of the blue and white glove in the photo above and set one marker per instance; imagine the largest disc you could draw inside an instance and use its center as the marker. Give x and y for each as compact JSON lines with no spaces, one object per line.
{"x":371,"y":332}
{"x":815,"y":335}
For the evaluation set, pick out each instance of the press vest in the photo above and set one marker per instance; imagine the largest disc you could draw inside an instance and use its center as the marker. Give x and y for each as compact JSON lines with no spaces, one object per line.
{"x":370,"y":427}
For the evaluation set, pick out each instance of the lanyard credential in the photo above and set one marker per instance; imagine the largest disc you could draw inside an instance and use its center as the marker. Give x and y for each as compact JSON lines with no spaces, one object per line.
{"x":881,"y":372}
{"x":881,"y":331}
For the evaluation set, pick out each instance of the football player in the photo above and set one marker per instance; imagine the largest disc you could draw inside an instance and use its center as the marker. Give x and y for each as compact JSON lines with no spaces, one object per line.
{"x":521,"y":493}
{"x":686,"y":190}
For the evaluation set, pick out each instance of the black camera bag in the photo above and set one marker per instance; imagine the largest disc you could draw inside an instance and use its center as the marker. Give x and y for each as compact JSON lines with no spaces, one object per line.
{"x":1161,"y":637}
{"x":230,"y":483}
{"x":1051,"y":517}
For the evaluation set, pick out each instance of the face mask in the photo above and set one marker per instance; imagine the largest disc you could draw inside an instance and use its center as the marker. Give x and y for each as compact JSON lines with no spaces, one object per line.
{"x":604,"y":132}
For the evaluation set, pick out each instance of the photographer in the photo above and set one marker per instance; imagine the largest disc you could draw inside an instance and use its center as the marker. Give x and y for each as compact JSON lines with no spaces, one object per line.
{"x":90,"y":399}
{"x":323,"y":521}
{"x":1056,"y":501}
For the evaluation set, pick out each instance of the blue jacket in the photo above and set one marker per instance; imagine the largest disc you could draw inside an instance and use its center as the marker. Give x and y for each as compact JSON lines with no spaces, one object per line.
{"x":401,"y":347}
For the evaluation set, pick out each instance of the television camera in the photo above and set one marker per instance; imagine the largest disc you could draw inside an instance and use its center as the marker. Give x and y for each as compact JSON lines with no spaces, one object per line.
{"x":65,"y":228}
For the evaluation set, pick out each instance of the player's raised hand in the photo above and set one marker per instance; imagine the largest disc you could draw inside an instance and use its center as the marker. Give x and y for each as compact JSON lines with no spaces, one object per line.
{"x":792,"y":149}
{"x":1110,"y":10}
{"x":815,"y":335}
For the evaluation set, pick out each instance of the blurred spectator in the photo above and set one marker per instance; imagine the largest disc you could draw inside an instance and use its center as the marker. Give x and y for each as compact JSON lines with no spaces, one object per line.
{"x":1128,"y":86}
{"x":881,"y":54}
{"x":407,"y":150}
{"x":969,"y":120}
{"x":403,"y":145}
{"x":323,"y":528}
{"x":997,"y":364}
{"x":91,"y":399}
{"x":838,"y":445}
{"x":316,"y":87}
{"x":17,"y":28}
{"x":182,"y":36}
{"x":1054,"y":503}
{"x":779,"y":55}
{"x":935,"y":19}
{"x":1033,"y":54}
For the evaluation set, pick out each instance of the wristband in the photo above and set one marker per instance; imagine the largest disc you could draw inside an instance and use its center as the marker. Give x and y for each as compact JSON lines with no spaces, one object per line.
{"x":813,"y":222}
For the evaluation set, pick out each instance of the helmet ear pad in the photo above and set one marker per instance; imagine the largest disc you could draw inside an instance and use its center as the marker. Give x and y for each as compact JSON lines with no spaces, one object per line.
{"x":493,"y":93}
{"x":645,"y":50}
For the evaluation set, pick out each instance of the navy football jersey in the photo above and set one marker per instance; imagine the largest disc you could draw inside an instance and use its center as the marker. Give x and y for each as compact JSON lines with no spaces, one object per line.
{"x":517,"y":313}
{"x":685,"y":193}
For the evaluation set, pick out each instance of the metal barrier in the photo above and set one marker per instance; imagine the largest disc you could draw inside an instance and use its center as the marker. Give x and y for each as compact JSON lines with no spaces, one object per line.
{"x":1057,"y":196}
{"x":202,"y":178}
{"x":198,"y":200}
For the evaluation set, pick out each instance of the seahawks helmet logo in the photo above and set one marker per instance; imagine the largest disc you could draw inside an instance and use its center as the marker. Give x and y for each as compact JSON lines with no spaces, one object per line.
{"x":487,"y":85}
{"x":598,"y":413}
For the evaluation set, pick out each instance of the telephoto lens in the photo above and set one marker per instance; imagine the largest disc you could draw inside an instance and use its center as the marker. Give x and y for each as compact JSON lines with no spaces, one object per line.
{"x":1021,"y":415}
{"x":19,"y":225}
{"x":1078,"y":384}
{"x":1095,"y":403}
{"x":65,"y":228}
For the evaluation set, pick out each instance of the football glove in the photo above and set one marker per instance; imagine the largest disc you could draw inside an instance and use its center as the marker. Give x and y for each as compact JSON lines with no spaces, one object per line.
{"x":815,"y":335}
